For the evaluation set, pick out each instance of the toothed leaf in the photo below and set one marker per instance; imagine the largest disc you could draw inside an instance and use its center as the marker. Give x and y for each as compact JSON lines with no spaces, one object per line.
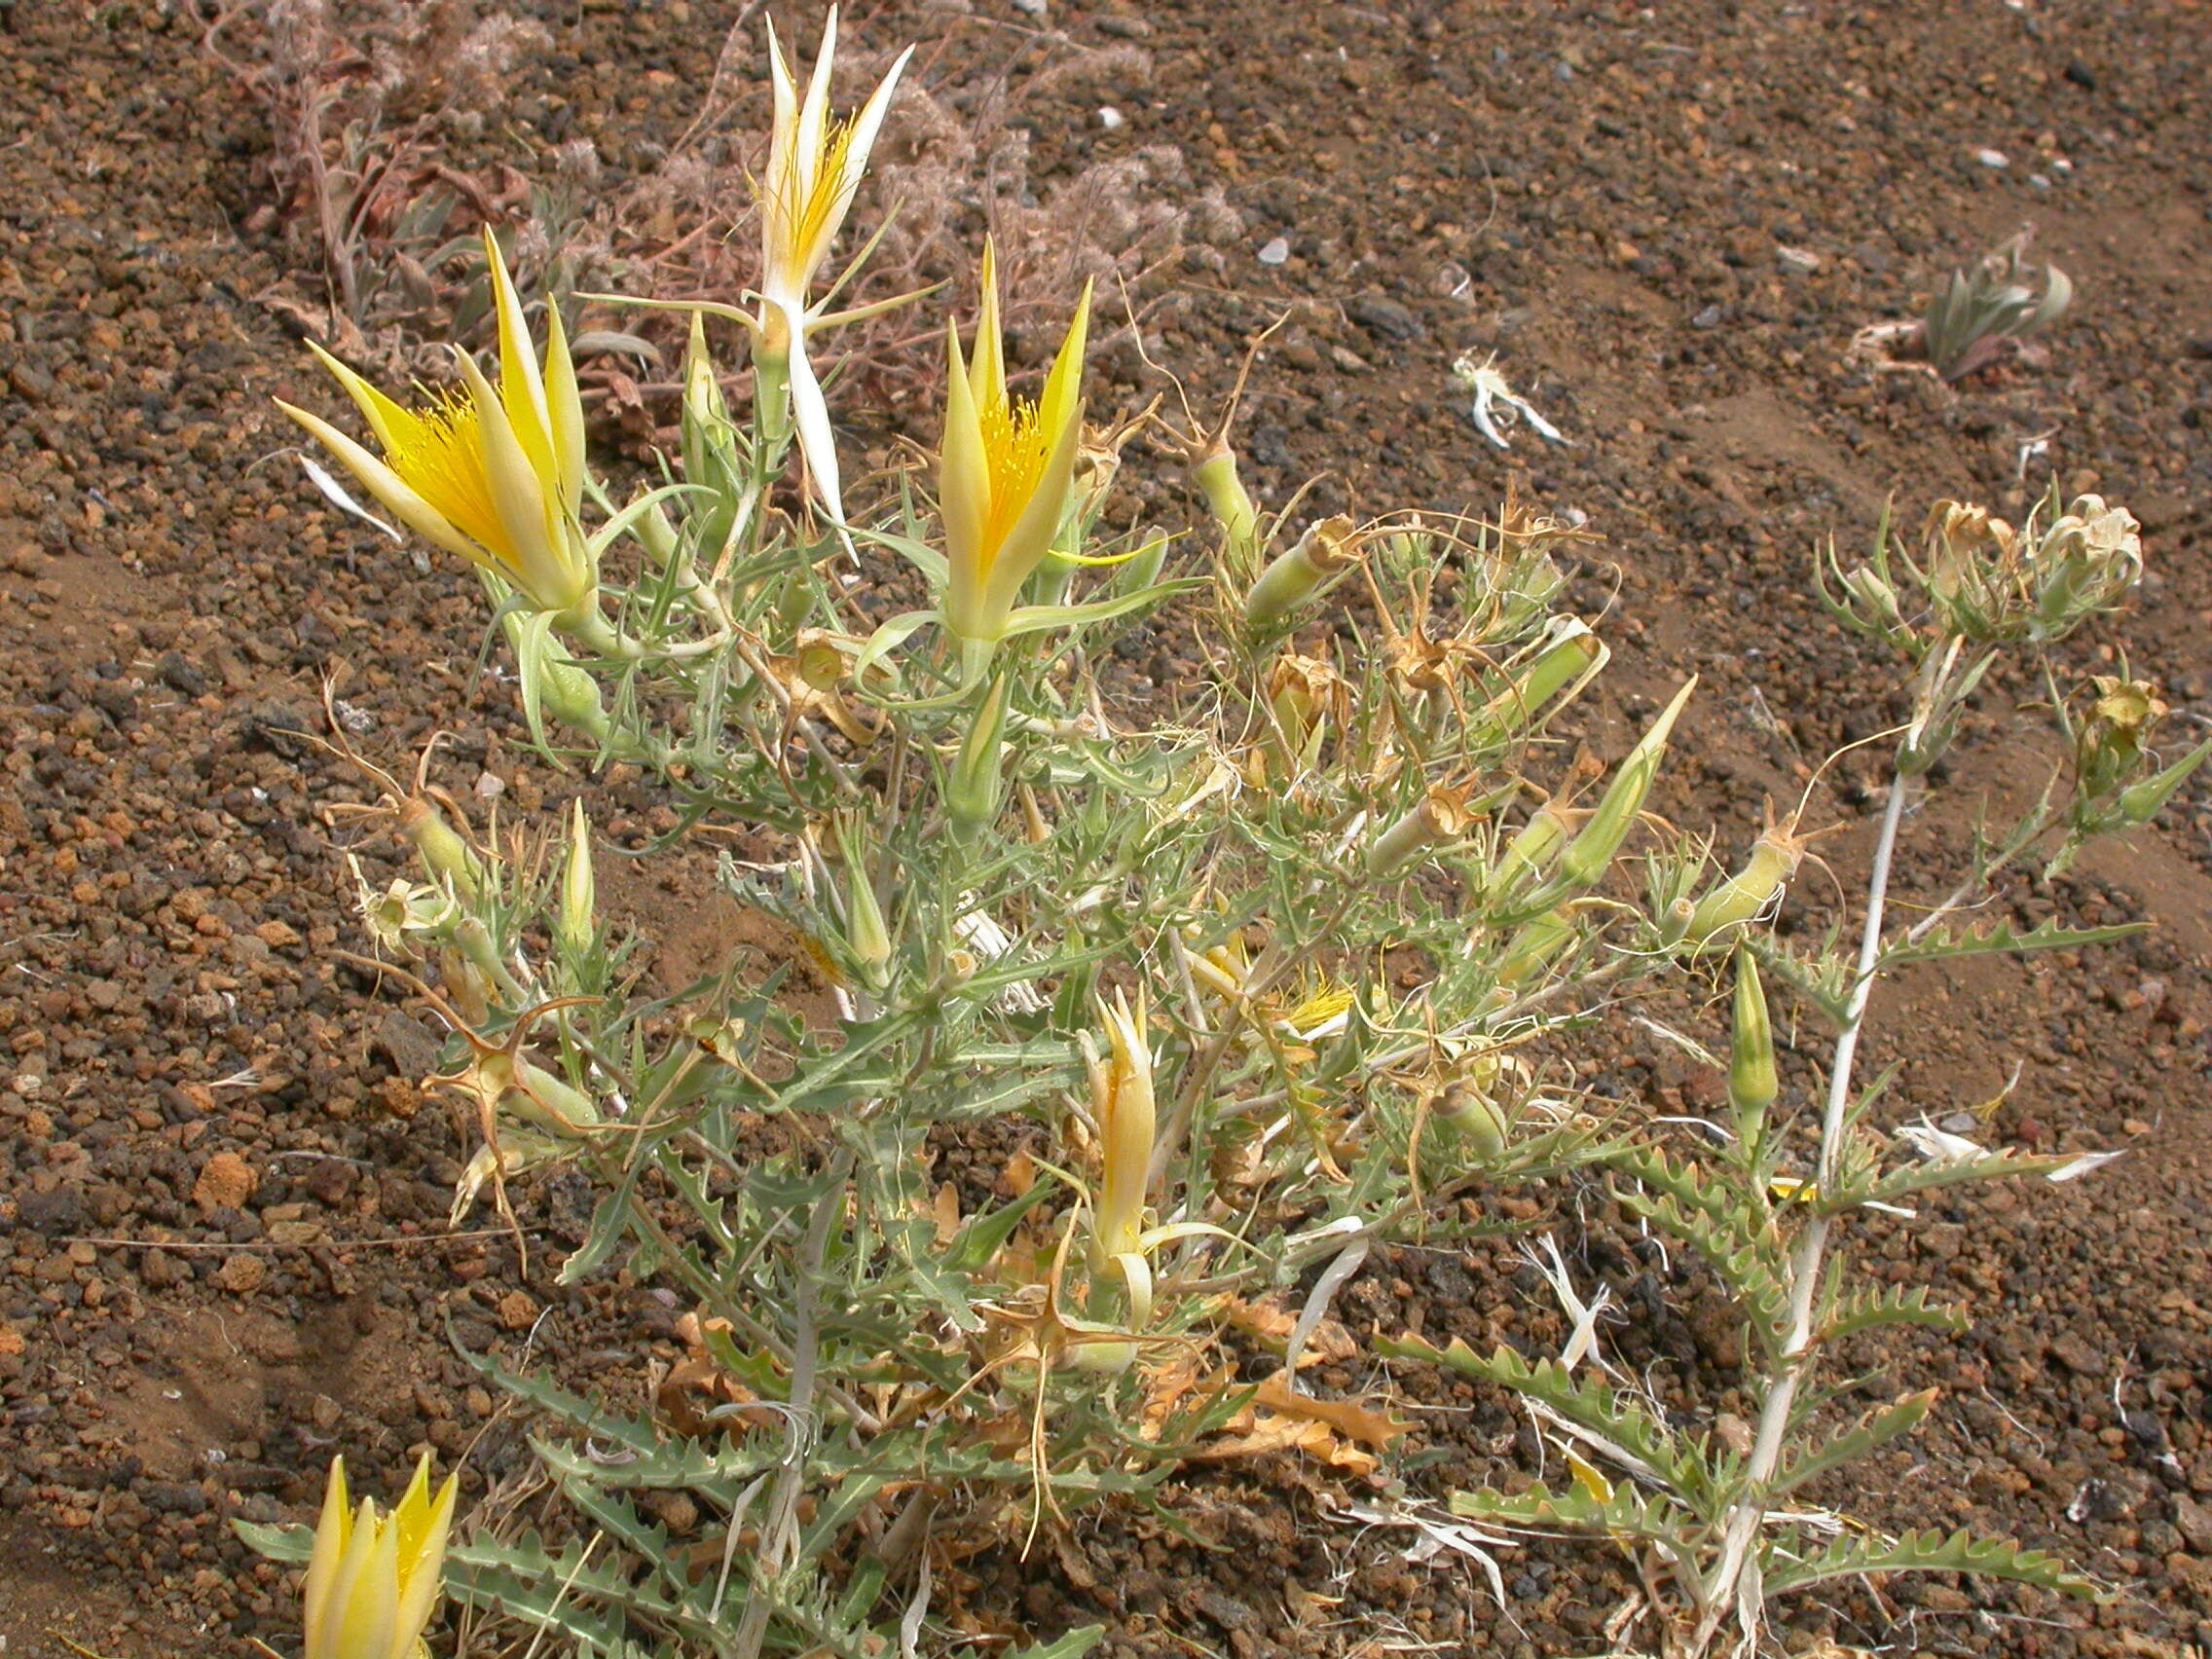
{"x":2001,"y":937}
{"x":1931,"y":1552}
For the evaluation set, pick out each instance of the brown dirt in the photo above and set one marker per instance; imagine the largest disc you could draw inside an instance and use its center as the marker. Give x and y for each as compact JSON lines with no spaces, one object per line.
{"x":1599,"y":193}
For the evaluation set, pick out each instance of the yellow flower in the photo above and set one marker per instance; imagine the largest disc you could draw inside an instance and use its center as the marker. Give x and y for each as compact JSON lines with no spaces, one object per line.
{"x":374,"y":1581}
{"x":1006,"y":468}
{"x":815,"y":164}
{"x":495,"y":476}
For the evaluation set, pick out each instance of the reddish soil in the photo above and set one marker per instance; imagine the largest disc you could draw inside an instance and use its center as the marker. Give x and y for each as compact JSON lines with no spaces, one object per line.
{"x":225,"y":1250}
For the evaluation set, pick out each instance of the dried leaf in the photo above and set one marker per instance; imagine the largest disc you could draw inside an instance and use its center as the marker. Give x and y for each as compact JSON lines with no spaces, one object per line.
{"x":1348,"y":1417}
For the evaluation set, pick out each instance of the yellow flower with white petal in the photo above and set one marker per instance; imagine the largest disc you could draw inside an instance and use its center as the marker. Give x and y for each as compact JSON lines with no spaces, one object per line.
{"x":374,"y":1581}
{"x":1005,"y":470}
{"x":815,"y":164}
{"x":1122,"y":1105}
{"x":494,"y":475}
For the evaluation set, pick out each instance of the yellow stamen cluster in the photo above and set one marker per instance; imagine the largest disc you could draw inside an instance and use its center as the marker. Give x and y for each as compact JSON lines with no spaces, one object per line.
{"x":1016,"y":446}
{"x":807,"y":211}
{"x":438,"y":451}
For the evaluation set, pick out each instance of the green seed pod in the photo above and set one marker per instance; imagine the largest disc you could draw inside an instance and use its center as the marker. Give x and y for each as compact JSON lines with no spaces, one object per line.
{"x":1574,"y":654}
{"x":1215,"y":474}
{"x":447,"y":857}
{"x":1533,"y":848}
{"x":1535,"y":945}
{"x":1470,"y":1119}
{"x":1745,"y":896}
{"x":1439,"y":816}
{"x":1300,"y":576}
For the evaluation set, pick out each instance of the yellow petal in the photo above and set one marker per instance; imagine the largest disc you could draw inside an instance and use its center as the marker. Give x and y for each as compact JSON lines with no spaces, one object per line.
{"x":349,"y":1608}
{"x":988,"y":376}
{"x":331,"y":1533}
{"x":421,"y":1570}
{"x":963,"y":488}
{"x":1031,"y":537}
{"x":522,"y":391}
{"x":519,"y":496}
{"x":392,"y":492}
{"x":1061,"y":408}
{"x":565,"y":407}
{"x":386,"y":417}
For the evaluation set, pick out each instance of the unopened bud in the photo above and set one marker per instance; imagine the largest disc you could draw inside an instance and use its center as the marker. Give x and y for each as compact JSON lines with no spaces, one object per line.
{"x":576,"y":925}
{"x":1295,"y":578}
{"x":1593,"y":848}
{"x":2141,"y":802}
{"x":1753,"y":1084}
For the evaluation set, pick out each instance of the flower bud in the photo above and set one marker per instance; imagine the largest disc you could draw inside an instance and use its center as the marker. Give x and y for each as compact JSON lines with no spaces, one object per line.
{"x":1122,"y":1107}
{"x":1141,"y":570}
{"x":374,"y":1581}
{"x":867,"y":937}
{"x":575,"y":923}
{"x":1593,"y":848}
{"x":1313,"y":565}
{"x":2141,"y":802}
{"x":1753,"y":1084}
{"x":1439,"y":815}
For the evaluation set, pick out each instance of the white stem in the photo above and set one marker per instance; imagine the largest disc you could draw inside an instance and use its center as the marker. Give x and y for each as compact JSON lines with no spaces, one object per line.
{"x":1745,"y":1521}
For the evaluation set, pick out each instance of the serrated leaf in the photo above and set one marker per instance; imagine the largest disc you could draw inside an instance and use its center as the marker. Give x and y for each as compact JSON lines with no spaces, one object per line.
{"x":284,"y":1541}
{"x":1872,"y":1431}
{"x":1614,"y":1420}
{"x":1728,"y":1227}
{"x":1073,"y":1645}
{"x":1931,"y":1552}
{"x":1865,"y":1309}
{"x":1999,"y":1165}
{"x":2001,"y":937}
{"x":1629,"y":1513}
{"x":1824,"y":981}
